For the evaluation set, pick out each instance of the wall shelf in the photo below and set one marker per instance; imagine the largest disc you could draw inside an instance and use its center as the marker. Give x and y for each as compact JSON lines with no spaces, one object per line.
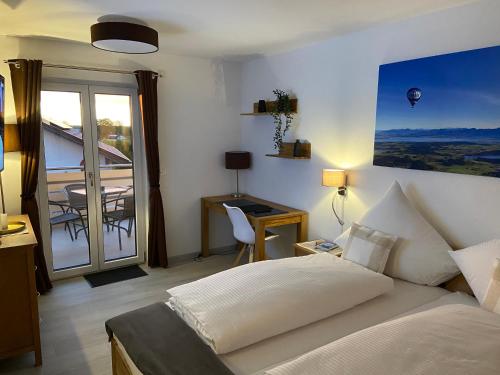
{"x":286,"y":151}
{"x":256,"y":114}
{"x":270,"y":105}
{"x":288,"y":157}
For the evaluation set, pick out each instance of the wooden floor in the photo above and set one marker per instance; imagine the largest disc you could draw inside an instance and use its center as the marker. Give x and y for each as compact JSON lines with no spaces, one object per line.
{"x":73,"y":314}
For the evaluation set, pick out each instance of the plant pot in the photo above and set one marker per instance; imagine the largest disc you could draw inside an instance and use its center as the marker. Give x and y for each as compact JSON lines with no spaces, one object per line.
{"x":286,"y":149}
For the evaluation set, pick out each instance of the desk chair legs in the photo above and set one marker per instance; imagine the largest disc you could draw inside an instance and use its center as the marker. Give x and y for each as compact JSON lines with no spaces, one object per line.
{"x":242,"y":251}
{"x":240,"y":254}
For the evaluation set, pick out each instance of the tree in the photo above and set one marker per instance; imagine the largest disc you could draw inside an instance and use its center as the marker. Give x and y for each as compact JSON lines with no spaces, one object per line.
{"x":105,"y":127}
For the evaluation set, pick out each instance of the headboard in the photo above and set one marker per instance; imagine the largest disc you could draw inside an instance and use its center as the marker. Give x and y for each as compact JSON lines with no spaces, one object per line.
{"x":458,"y":284}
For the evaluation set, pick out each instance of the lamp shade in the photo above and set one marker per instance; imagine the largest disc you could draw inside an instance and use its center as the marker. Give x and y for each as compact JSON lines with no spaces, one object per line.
{"x":237,"y":160}
{"x":12,"y":142}
{"x":333,"y":178}
{"x":124,"y":37}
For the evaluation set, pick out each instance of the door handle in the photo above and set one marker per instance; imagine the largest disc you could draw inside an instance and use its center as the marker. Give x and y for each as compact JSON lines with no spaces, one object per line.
{"x":91,"y":178}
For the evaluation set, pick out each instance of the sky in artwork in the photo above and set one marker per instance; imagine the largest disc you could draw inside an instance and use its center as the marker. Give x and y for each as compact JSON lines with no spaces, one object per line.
{"x":459,"y":90}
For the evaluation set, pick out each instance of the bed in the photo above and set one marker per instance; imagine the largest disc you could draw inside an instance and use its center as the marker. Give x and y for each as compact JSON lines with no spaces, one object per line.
{"x":405,"y":298}
{"x":420,"y":256}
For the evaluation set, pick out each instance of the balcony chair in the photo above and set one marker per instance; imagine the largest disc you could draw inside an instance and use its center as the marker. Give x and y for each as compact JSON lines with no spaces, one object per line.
{"x":77,"y":204}
{"x":62,"y":216}
{"x":115,"y":218}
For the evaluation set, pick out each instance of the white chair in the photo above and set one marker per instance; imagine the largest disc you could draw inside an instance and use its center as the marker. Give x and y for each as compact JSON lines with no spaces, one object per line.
{"x":243,"y":232}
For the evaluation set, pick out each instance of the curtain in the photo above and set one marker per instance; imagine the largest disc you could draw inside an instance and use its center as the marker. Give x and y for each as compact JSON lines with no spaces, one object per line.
{"x":148,"y":99}
{"x":26,"y":78}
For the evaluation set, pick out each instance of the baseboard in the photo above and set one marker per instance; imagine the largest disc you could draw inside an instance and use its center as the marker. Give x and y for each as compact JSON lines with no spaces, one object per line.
{"x":224,"y":250}
{"x":189,"y":257}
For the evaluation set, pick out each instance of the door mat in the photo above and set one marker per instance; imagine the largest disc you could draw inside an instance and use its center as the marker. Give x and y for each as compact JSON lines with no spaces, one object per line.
{"x":114,"y":276}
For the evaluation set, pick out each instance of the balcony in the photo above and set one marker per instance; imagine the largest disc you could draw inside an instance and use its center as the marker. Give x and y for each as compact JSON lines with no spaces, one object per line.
{"x":69,"y":215}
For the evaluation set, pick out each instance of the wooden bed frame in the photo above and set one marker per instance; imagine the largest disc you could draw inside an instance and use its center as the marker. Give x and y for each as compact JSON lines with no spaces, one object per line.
{"x":119,"y":363}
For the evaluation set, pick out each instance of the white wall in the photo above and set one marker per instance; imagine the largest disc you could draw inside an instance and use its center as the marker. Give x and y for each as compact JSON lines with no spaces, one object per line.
{"x":336,"y":84}
{"x":59,"y":152}
{"x":198,"y":120}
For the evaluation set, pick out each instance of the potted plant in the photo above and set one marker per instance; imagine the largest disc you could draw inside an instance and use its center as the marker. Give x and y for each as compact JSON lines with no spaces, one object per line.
{"x":282,"y":115}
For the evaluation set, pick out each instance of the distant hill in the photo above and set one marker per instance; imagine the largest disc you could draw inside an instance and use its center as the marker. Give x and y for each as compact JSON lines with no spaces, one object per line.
{"x":472,"y":133}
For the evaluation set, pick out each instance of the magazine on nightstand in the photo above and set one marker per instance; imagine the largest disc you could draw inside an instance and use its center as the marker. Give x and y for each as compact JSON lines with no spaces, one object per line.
{"x":326,"y":246}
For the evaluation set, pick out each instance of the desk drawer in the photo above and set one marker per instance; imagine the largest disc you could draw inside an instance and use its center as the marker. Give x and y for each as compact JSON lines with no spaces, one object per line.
{"x":283,"y":221}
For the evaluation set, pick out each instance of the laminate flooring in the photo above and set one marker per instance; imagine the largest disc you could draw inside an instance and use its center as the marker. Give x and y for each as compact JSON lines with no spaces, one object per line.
{"x":74,"y":341}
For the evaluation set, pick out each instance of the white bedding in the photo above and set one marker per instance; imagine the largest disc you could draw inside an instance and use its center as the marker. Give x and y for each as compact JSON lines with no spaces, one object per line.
{"x":451,"y":339}
{"x":244,"y":305}
{"x":405,"y":297}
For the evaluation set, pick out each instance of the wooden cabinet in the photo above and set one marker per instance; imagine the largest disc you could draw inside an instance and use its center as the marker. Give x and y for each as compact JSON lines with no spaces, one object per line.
{"x":19,"y":321}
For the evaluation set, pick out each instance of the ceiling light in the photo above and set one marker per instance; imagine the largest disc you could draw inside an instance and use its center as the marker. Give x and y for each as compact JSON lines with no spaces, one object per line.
{"x":124,"y":37}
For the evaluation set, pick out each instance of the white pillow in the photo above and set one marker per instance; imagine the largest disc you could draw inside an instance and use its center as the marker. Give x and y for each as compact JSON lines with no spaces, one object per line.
{"x":476,"y":263}
{"x":420,"y":254}
{"x":368,"y":247}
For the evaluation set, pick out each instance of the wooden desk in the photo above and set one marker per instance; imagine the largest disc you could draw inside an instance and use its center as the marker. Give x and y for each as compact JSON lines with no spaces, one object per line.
{"x":291,"y":216}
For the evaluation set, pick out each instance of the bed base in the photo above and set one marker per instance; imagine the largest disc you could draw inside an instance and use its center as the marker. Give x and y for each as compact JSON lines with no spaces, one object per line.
{"x":119,"y":363}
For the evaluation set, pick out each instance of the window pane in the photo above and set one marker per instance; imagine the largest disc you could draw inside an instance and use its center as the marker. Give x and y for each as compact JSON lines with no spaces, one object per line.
{"x":116,"y":173}
{"x":65,"y":166}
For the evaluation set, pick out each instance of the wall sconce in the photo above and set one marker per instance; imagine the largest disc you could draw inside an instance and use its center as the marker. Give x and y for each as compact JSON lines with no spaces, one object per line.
{"x":335,"y":178}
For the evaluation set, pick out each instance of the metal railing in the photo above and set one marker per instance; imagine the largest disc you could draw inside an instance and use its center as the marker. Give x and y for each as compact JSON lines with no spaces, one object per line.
{"x":110,"y":175}
{"x":82,"y":167}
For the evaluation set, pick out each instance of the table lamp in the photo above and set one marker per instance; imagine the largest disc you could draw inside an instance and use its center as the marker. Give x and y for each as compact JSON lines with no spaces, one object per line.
{"x":237,"y":160}
{"x":335,"y":178}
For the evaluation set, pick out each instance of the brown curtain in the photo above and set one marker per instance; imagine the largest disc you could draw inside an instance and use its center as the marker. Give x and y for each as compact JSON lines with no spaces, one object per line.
{"x":148,"y":99}
{"x":26,"y":85}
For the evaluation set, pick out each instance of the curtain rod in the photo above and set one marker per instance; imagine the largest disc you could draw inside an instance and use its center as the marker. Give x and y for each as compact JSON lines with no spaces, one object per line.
{"x":91,"y":69}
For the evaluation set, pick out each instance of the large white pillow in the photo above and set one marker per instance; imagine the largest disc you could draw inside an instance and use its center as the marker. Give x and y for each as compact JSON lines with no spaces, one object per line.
{"x":476,"y":263}
{"x":420,"y":255}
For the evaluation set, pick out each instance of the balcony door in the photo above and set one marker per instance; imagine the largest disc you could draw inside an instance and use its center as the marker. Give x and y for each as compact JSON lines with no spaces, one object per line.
{"x":91,"y":188}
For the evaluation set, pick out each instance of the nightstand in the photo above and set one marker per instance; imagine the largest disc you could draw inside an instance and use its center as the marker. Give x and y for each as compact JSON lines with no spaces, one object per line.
{"x":308,"y":248}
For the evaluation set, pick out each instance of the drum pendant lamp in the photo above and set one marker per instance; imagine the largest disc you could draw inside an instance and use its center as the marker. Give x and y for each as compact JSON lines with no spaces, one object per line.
{"x":124,"y":37}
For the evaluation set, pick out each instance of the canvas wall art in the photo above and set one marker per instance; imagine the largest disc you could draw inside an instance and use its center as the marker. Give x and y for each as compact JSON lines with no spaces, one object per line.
{"x":441,"y":113}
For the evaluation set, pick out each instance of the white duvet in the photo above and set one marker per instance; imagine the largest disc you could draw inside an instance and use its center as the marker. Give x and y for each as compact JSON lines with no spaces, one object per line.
{"x":452,"y":339}
{"x":247,"y":304}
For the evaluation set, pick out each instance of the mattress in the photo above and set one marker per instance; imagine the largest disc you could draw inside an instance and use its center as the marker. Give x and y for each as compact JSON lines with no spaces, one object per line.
{"x":404,"y":298}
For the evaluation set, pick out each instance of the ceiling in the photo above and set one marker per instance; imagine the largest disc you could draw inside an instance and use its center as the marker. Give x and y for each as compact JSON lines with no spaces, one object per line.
{"x":228,"y":28}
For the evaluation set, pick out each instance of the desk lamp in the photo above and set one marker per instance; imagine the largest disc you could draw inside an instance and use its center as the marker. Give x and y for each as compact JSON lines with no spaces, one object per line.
{"x":237,"y":160}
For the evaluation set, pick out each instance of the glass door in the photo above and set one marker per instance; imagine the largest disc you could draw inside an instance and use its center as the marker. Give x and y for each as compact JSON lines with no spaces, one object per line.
{"x":90,"y":196}
{"x":113,"y":115}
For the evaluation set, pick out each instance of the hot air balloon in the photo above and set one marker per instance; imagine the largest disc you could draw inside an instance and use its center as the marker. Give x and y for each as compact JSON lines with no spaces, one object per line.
{"x":414,"y":94}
